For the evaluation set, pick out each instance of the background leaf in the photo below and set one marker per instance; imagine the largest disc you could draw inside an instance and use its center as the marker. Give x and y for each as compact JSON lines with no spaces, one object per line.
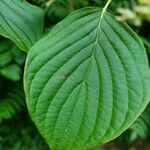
{"x":140,"y":127}
{"x":21,"y":22}
{"x":12,"y":102}
{"x":12,"y":72}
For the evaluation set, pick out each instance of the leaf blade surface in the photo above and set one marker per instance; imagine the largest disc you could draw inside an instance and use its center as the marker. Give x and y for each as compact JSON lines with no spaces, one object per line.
{"x":91,"y":83}
{"x":21,"y":22}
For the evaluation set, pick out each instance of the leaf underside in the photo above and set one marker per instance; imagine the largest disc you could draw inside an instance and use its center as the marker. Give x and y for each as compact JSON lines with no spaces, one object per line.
{"x":20,"y":22}
{"x":87,"y":81}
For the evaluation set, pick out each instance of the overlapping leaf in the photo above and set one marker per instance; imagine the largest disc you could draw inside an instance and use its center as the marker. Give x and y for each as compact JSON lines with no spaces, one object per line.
{"x":11,"y":60}
{"x":20,"y":22}
{"x":87,"y":81}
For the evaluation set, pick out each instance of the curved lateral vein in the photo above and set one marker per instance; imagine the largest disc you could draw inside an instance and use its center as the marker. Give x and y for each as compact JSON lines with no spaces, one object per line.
{"x":23,"y":8}
{"x":74,"y":21}
{"x":33,"y":29}
{"x":73,"y":112}
{"x":45,"y":50}
{"x":57,"y":71}
{"x":62,"y":66}
{"x":60,"y":51}
{"x":100,"y":89}
{"x":89,"y":67}
{"x":65,"y":101}
{"x":96,"y":41}
{"x":65,"y":81}
{"x":124,"y":26}
{"x":21,"y":31}
{"x":124,"y":74}
{"x":112,"y":82}
{"x":13,"y":30}
{"x":120,"y":60}
{"x":17,"y":14}
{"x":22,"y":20}
{"x":127,"y":49}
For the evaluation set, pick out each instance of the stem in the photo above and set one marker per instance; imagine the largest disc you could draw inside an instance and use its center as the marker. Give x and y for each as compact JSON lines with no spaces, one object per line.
{"x":105,"y":7}
{"x":49,"y":2}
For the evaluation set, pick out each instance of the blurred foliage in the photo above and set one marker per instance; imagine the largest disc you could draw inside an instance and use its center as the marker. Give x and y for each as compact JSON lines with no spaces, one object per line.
{"x":141,"y":126}
{"x":19,"y":133}
{"x":11,"y":65}
{"x":12,"y":102}
{"x":138,"y":13}
{"x":11,"y":60}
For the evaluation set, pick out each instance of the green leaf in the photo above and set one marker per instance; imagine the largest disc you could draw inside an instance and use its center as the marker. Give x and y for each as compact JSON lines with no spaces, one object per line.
{"x":146,"y":41}
{"x":6,"y":55}
{"x":12,"y":72}
{"x":19,"y":56}
{"x":5,"y":58}
{"x":87,"y":81}
{"x":20,"y":22}
{"x":12,"y":102}
{"x":5,"y":45}
{"x":140,"y":128}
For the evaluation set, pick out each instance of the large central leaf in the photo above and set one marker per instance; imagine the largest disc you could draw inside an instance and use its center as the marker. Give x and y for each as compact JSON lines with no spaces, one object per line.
{"x":86,"y":81}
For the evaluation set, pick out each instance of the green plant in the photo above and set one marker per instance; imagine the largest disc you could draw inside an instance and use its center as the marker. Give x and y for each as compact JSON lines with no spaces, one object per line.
{"x":12,"y":102}
{"x":20,"y":136}
{"x":141,"y":126}
{"x":86,"y":81}
{"x":12,"y":95}
{"x":137,"y":13}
